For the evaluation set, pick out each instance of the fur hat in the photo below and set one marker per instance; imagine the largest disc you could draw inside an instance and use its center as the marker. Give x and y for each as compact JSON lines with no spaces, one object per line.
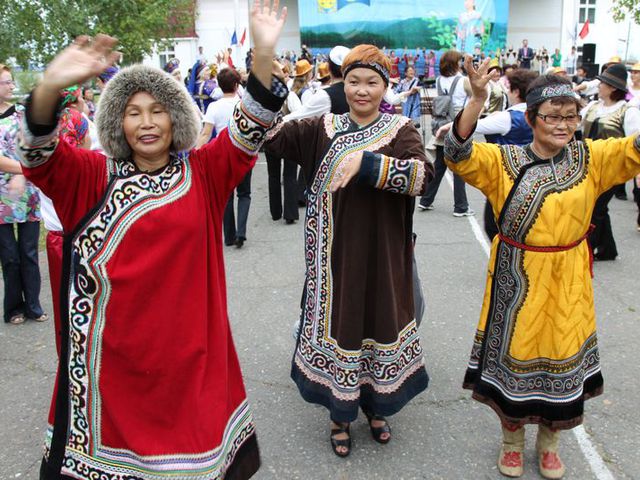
{"x":172,"y":95}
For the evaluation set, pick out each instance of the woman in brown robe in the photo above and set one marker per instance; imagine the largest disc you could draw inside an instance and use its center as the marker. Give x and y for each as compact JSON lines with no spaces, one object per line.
{"x":358,"y":343}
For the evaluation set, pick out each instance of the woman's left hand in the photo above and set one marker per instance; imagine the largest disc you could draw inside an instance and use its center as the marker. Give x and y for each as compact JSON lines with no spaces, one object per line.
{"x":347,"y":169}
{"x":266,"y":25}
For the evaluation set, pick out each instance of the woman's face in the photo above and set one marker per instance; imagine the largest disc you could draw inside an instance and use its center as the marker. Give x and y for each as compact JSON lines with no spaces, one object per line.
{"x":6,"y":86}
{"x":495,"y":74}
{"x":147,"y":127}
{"x":555,"y":137}
{"x":605,"y":91}
{"x":364,"y":89}
{"x":88,"y":94}
{"x":635,"y":77}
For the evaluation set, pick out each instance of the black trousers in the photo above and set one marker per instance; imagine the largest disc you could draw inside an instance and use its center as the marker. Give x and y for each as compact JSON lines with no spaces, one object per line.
{"x":20,"y":269}
{"x":460,"y":203}
{"x":490,"y":227}
{"x":233,"y":231}
{"x":601,"y":239}
{"x":282,"y":176}
{"x":636,"y":196}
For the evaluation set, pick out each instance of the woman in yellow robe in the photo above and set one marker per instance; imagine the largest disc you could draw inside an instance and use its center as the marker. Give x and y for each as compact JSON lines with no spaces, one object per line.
{"x":535,"y":355}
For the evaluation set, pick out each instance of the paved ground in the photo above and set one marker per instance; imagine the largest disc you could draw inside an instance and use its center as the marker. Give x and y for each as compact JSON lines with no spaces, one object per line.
{"x":441,"y":435}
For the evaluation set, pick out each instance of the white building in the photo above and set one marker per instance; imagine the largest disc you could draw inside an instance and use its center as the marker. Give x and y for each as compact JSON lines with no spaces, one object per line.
{"x":548,"y":23}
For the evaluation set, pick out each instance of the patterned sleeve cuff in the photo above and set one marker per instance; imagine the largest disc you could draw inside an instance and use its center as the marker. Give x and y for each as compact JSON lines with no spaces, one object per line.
{"x":256,"y":112}
{"x":457,"y":148}
{"x":36,"y":142}
{"x":406,"y":177}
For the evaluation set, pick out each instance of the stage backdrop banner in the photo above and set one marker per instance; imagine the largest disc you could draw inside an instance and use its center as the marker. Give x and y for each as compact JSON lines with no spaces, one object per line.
{"x":465,"y":25}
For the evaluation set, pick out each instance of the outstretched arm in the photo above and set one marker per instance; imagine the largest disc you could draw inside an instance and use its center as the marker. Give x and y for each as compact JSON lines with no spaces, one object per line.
{"x":85,"y":58}
{"x":266,"y":26}
{"x":478,"y":80}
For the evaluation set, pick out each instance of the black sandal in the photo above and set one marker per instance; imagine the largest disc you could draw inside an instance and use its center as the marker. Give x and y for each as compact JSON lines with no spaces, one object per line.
{"x":377,"y":432}
{"x":335,"y":443}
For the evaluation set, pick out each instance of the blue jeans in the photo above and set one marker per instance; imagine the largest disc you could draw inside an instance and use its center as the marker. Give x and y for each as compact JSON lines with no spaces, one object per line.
{"x":20,"y":269}
{"x":239,"y":232}
{"x":460,"y":203}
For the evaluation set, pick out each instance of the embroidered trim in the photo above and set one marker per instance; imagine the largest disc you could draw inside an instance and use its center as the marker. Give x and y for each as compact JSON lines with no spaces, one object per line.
{"x":34,"y":151}
{"x":455,"y":150}
{"x":540,"y":379}
{"x":318,"y":355}
{"x":115,"y":464}
{"x":249,"y":124}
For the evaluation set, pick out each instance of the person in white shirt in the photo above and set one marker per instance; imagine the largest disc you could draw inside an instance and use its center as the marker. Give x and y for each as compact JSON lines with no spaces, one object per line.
{"x":571,"y":61}
{"x":218,"y":115}
{"x":609,"y":117}
{"x":449,"y":71}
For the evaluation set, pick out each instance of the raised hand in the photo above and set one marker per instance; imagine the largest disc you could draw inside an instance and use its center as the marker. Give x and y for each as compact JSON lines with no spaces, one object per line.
{"x":266,"y":25}
{"x":478,"y":79}
{"x":82,"y":60}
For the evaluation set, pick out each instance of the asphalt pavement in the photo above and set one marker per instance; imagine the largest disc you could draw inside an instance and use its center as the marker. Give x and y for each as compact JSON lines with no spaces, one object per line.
{"x":442,"y":434}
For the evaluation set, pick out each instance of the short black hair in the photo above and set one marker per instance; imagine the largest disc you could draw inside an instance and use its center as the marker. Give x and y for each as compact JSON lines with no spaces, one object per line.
{"x":335,"y":69}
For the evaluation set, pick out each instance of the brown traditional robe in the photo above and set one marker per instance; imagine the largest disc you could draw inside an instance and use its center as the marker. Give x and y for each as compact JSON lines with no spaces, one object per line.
{"x":358,"y":343}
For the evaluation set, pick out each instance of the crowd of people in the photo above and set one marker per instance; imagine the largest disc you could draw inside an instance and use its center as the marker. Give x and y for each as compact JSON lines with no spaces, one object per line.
{"x":162,"y":158}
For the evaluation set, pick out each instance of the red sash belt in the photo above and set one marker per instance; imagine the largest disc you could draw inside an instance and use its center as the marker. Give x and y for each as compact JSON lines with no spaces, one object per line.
{"x":559,"y":248}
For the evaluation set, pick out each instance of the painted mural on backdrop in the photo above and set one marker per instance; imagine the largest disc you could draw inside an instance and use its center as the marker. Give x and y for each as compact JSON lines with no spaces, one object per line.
{"x":438,"y":25}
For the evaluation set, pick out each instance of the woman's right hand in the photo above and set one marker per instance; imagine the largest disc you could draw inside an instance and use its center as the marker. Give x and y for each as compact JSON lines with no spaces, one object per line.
{"x":478,"y":79}
{"x":84,"y":59}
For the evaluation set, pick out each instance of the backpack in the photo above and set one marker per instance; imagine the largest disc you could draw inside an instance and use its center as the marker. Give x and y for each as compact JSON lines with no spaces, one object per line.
{"x":443,"y":111}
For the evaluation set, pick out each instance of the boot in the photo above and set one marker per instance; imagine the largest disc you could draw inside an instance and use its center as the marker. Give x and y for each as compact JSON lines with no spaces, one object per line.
{"x":549,"y":461}
{"x":511,"y":460}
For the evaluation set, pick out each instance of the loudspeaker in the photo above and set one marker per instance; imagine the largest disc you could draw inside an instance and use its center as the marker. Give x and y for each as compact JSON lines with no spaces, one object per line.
{"x":592,"y":69}
{"x":588,"y":53}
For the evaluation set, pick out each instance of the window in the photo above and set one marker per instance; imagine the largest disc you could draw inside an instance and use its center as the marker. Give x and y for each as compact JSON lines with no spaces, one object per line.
{"x":587,"y":11}
{"x":167,"y":54}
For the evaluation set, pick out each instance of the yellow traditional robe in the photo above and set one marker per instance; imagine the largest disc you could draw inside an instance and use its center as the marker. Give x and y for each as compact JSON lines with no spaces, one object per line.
{"x":535,"y":356}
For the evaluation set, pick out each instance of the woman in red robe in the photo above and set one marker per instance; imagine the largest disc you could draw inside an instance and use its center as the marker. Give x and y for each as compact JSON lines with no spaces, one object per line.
{"x":149,"y":385}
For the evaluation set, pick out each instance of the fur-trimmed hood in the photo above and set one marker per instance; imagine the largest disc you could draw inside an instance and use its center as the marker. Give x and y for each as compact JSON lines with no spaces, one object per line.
{"x":141,"y":78}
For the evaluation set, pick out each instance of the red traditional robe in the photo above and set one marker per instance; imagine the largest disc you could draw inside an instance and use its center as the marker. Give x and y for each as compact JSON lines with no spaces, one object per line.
{"x":149,"y":385}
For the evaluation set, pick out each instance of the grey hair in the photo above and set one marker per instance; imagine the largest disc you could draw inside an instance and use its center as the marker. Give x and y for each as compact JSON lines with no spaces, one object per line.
{"x":172,"y":95}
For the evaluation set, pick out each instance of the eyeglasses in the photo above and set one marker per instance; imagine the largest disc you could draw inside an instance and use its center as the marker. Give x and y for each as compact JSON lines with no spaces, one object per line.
{"x":554,"y":119}
{"x":7,"y":82}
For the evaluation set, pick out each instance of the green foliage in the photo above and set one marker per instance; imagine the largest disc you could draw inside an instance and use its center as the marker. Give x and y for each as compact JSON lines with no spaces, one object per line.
{"x":443,"y":34}
{"x":622,"y":8}
{"x":25,"y":80}
{"x":33,"y":31}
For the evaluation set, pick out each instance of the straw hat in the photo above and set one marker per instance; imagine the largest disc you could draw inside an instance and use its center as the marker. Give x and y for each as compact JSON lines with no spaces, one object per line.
{"x":636,"y":67}
{"x":323,"y":70}
{"x":493,"y":64}
{"x":302,"y":68}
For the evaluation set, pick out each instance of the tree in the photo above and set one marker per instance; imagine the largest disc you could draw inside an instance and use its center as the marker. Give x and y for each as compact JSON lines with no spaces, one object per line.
{"x":33,"y":31}
{"x":622,"y":8}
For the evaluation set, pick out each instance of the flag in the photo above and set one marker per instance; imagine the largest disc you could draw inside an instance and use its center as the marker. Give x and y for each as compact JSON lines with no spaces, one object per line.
{"x":234,"y":38}
{"x":243,"y":38}
{"x":585,"y":30}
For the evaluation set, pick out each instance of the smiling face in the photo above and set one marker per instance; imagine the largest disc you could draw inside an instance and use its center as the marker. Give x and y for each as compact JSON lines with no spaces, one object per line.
{"x":605,"y":91}
{"x":364,"y":89}
{"x":6,"y":86}
{"x":148,"y":130}
{"x":554,"y":137}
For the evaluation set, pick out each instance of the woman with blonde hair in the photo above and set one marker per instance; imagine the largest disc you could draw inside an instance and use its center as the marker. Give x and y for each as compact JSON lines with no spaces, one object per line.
{"x":358,"y":345}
